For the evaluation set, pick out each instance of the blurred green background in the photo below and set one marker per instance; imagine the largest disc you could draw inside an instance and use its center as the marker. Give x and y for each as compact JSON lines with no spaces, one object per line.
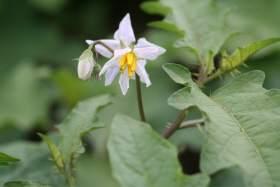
{"x":40,"y":41}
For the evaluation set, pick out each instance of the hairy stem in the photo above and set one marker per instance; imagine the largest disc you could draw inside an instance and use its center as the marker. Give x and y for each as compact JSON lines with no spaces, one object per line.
{"x":139,"y":99}
{"x":169,"y":130}
{"x":191,"y":123}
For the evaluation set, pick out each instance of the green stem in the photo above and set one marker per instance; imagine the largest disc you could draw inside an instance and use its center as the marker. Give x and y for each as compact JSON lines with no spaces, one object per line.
{"x":139,"y":99}
{"x":70,"y":180}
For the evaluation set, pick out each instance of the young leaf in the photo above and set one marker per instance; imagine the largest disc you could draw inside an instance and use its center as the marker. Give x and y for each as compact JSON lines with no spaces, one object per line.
{"x":242,"y":127}
{"x":201,"y":22}
{"x":6,"y":159}
{"x":140,"y":157}
{"x":24,"y":184}
{"x":238,"y":57}
{"x":177,"y":73}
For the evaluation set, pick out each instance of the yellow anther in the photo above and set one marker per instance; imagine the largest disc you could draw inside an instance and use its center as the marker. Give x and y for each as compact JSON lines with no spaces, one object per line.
{"x":128,"y":61}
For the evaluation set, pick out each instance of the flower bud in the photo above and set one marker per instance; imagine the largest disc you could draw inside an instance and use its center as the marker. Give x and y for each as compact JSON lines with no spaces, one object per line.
{"x":86,"y":64}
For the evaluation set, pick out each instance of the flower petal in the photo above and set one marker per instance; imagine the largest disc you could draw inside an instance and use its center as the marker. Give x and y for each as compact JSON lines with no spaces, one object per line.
{"x":142,"y":73}
{"x":125,"y":32}
{"x":124,"y":82}
{"x":147,"y":50}
{"x":113,"y":44}
{"x":110,"y":75}
{"x":114,"y":61}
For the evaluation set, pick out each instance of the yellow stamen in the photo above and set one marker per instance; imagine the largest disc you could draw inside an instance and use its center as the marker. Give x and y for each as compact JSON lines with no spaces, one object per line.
{"x":128,"y":61}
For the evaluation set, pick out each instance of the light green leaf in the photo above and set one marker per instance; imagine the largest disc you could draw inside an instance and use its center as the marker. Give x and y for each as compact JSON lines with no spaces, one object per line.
{"x":6,"y":159}
{"x":201,"y":21}
{"x":24,"y":184}
{"x":177,"y":73}
{"x":24,"y":97}
{"x":140,"y":157}
{"x":242,"y":127}
{"x":240,"y":55}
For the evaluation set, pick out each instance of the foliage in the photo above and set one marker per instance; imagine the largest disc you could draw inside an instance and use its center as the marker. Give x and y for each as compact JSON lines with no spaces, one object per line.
{"x":226,"y":133}
{"x":140,"y":153}
{"x":233,"y":128}
{"x":6,"y":159}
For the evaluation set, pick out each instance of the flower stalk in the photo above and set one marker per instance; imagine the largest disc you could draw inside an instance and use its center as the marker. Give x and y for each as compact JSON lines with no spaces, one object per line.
{"x":139,"y":99}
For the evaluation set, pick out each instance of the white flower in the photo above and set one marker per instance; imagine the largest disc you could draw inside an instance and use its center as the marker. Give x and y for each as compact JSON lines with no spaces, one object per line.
{"x":128,"y":58}
{"x":86,"y":64}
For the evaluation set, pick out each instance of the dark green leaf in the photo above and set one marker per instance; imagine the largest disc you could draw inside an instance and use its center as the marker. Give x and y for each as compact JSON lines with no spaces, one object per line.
{"x":6,"y":159}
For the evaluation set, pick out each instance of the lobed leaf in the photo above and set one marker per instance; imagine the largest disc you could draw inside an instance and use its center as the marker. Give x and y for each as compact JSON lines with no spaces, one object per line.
{"x":202,"y":23}
{"x":242,"y":127}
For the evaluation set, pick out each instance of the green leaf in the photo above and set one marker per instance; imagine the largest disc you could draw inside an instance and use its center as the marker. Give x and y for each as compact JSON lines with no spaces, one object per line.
{"x":6,"y":159}
{"x":229,"y":177}
{"x":177,"y":73}
{"x":80,"y":121}
{"x":34,"y":165}
{"x":24,"y":97}
{"x":242,"y":127}
{"x":154,"y":7}
{"x":140,"y":157}
{"x":251,"y":17}
{"x":238,"y":57}
{"x":201,"y":21}
{"x":24,"y":184}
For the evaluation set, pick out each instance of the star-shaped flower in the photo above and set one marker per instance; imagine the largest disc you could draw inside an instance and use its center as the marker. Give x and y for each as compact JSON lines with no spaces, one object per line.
{"x":128,"y":58}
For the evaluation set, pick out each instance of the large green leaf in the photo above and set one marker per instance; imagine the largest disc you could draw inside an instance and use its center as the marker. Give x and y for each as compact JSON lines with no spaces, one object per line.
{"x":6,"y":159}
{"x":24,"y":97}
{"x":242,"y":127}
{"x":258,"y":18}
{"x":140,"y":157}
{"x":34,"y":165}
{"x":201,"y":23}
